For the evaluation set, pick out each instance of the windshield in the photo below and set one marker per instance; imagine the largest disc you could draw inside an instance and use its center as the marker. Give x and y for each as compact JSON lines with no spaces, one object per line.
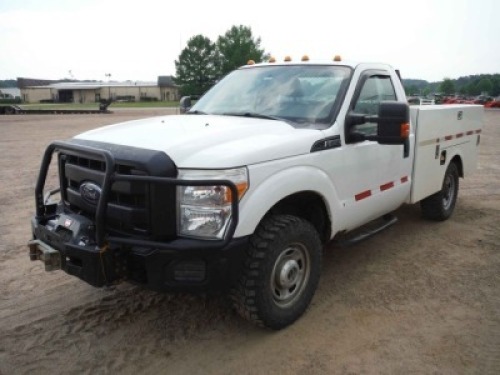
{"x":296,"y":93}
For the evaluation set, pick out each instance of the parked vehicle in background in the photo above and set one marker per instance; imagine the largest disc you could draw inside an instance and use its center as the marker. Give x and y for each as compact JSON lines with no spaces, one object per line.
{"x":495,"y":103}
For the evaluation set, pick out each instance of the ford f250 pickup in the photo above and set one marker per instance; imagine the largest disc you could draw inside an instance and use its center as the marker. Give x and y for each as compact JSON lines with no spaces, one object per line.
{"x":242,"y":191}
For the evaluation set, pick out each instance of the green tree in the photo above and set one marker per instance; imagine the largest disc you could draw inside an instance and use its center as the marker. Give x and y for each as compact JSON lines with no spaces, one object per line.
{"x":237,"y":46}
{"x":8,"y":83}
{"x":198,"y":66}
{"x":470,"y":88}
{"x":496,"y":85}
{"x":484,"y":86}
{"x":411,"y":90}
{"x":447,"y":87}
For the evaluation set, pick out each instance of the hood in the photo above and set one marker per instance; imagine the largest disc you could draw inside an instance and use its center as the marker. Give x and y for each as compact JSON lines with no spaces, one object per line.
{"x":209,"y":141}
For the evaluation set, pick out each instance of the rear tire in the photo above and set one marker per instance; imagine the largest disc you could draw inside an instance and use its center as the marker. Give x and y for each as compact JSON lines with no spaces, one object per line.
{"x":440,"y":205}
{"x":281,"y":272}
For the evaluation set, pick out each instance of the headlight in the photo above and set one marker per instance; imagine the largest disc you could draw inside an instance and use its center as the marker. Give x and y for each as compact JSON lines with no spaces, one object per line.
{"x":205,"y":211}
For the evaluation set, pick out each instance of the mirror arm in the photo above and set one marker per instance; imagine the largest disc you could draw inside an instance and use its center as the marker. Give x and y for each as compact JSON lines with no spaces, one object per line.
{"x":354,"y":119}
{"x":185,"y":104}
{"x":358,"y":137}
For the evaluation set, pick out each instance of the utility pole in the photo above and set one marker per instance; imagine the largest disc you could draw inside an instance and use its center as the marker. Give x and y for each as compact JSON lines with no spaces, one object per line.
{"x":108,"y":75}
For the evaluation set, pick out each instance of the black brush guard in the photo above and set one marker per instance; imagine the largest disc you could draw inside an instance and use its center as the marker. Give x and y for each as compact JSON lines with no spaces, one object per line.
{"x":112,"y":258}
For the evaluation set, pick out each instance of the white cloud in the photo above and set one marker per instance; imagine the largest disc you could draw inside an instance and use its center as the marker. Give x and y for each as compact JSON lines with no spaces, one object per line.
{"x":140,"y":40}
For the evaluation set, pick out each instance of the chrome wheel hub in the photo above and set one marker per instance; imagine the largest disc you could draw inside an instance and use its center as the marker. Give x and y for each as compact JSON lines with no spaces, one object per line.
{"x":290,"y":275}
{"x":449,"y":191}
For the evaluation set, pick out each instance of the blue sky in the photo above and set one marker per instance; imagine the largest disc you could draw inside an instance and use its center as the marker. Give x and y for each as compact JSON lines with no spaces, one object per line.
{"x":140,"y":40}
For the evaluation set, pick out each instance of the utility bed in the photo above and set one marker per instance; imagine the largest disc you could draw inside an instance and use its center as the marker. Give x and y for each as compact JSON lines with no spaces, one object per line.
{"x":437,"y":129}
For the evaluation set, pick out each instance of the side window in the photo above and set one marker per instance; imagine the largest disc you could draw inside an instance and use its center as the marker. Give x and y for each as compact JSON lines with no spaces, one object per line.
{"x":375,"y":89}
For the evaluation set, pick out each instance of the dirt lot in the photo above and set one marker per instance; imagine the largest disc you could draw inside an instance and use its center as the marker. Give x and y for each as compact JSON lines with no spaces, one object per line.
{"x":421,"y":297}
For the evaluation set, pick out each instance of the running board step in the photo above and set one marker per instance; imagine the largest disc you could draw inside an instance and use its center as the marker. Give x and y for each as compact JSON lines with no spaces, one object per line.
{"x":367,"y":231}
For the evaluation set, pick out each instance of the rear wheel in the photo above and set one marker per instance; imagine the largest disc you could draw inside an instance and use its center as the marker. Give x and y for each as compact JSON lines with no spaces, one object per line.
{"x":440,"y":205}
{"x":281,"y":272}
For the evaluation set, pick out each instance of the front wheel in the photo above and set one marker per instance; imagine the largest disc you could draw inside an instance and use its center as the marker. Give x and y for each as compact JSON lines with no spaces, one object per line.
{"x":440,"y":205}
{"x":281,"y":272}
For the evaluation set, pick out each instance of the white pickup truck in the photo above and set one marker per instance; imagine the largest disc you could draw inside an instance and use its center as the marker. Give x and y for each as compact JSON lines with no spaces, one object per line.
{"x":242,"y":191}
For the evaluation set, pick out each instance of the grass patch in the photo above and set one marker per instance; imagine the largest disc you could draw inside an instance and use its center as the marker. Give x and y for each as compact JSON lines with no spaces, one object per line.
{"x":96,"y":105}
{"x":144,"y":104}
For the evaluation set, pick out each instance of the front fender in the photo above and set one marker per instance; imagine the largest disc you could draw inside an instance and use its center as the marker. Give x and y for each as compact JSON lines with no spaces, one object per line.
{"x":268,"y":188}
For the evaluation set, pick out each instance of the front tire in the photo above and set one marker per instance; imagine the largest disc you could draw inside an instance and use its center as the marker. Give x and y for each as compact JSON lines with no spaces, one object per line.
{"x":281,"y":272}
{"x":440,"y":205}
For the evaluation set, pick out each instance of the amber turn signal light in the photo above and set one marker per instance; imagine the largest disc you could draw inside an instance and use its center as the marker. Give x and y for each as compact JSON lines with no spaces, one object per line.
{"x":405,"y":130}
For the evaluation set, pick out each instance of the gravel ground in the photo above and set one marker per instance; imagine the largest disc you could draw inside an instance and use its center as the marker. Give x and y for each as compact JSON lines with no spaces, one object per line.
{"x":421,"y":297}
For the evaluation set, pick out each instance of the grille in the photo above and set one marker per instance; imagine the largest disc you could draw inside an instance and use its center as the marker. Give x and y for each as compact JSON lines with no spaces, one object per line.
{"x":128,"y":211}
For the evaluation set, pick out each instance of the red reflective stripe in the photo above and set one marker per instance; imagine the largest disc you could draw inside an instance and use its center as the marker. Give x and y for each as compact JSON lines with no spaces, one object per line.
{"x":470,"y":132}
{"x":383,"y":187}
{"x":459,"y":135}
{"x":448,"y":137}
{"x":386,"y":186}
{"x":363,"y":195}
{"x":478,"y":131}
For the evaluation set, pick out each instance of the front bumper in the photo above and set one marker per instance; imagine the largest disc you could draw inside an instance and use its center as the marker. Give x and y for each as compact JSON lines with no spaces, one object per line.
{"x":179,"y":265}
{"x":83,"y":244}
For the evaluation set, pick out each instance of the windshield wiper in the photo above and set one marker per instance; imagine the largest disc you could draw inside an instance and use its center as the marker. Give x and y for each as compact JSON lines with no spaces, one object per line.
{"x":253,"y":115}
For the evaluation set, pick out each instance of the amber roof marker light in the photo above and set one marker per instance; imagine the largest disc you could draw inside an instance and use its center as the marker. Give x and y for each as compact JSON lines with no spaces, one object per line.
{"x":337,"y":58}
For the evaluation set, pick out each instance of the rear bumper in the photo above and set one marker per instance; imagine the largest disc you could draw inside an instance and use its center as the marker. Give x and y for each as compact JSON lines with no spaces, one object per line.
{"x":179,"y":265}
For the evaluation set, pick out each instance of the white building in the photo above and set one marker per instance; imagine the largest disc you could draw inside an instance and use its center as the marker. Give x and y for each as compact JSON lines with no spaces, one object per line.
{"x":9,"y":92}
{"x":39,"y":91}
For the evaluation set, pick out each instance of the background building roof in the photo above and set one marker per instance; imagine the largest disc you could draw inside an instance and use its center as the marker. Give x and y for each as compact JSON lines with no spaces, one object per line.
{"x":163,"y":81}
{"x":29,"y":82}
{"x":10,"y":91}
{"x":166,"y":81}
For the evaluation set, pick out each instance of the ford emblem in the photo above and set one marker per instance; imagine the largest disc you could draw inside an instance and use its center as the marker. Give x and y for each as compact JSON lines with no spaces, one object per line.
{"x":90,"y":192}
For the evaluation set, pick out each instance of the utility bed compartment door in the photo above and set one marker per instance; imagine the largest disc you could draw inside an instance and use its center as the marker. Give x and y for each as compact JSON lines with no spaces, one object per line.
{"x":443,"y":130}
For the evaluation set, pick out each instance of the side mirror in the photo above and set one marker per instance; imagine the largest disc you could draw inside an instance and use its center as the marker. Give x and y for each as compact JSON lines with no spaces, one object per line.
{"x":393,"y":123}
{"x":185,"y":104}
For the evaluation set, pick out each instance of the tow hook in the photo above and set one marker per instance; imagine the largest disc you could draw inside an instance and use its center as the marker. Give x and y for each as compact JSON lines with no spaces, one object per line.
{"x":48,"y":255}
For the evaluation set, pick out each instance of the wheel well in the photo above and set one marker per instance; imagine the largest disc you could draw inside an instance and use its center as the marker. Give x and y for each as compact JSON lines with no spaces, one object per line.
{"x":458,"y":161}
{"x":309,"y":206}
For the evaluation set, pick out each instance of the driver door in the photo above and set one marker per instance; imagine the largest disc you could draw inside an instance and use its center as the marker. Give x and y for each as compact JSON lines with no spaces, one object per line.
{"x":375,"y":177}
